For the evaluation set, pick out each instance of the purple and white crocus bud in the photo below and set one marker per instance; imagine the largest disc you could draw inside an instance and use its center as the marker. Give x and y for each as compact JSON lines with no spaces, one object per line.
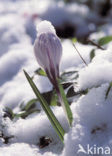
{"x":48,"y":50}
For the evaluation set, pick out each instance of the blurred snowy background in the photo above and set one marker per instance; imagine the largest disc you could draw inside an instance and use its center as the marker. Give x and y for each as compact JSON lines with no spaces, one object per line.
{"x":32,"y":134}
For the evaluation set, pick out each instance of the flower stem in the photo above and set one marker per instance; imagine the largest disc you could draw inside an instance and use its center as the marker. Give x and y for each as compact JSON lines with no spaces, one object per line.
{"x":64,"y":103}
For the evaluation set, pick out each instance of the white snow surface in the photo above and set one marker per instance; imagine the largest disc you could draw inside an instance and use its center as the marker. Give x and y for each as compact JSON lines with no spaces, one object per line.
{"x":44,"y":27}
{"x":99,"y":71}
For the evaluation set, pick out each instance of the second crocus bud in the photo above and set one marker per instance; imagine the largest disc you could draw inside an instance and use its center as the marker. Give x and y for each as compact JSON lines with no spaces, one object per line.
{"x":48,"y":50}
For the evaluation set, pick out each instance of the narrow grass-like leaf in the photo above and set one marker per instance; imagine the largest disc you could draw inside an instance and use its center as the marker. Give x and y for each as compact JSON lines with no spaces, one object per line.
{"x":8,"y":112}
{"x":25,"y":114}
{"x":104,"y":40}
{"x":30,"y":104}
{"x":57,"y":126}
{"x":70,"y":92}
{"x":108,"y":90}
{"x":65,"y":104}
{"x":54,"y":99}
{"x":92,"y":54}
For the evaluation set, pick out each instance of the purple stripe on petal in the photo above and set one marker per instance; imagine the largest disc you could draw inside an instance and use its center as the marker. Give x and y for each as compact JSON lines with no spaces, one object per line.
{"x":48,"y":52}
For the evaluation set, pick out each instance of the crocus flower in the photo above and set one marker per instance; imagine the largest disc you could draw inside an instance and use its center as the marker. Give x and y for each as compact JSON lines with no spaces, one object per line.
{"x":48,"y":50}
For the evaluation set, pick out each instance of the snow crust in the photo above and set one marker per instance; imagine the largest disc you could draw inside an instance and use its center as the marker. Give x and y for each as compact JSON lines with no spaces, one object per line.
{"x":45,"y":27}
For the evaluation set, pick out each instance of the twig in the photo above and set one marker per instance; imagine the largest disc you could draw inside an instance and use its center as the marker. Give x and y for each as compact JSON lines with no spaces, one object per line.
{"x":79,"y":54}
{"x":95,"y":44}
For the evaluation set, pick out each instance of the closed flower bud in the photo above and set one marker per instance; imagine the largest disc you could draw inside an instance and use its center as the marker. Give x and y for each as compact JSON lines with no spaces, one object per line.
{"x":48,"y":50}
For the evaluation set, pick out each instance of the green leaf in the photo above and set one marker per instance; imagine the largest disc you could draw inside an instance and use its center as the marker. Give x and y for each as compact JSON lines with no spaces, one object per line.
{"x":65,"y":104}
{"x":66,"y":84}
{"x":47,"y":96}
{"x":51,"y":97}
{"x":69,"y":73}
{"x":74,"y":40}
{"x":58,"y":128}
{"x":71,"y":92}
{"x":30,"y":104}
{"x":41,"y":72}
{"x":92,"y":54}
{"x":54,"y":99}
{"x":25,"y":114}
{"x":9,"y":112}
{"x":104,"y":40}
{"x":68,"y":77}
{"x":108,"y":90}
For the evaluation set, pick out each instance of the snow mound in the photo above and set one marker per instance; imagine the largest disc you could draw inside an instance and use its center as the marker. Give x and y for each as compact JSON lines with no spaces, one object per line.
{"x":44,"y":27}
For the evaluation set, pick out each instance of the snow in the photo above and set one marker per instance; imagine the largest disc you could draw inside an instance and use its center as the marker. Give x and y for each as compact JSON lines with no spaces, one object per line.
{"x":66,"y":13}
{"x":97,"y":72}
{"x":44,"y":27}
{"x":22,"y":149}
{"x":90,"y":126}
{"x":39,"y":127}
{"x":18,"y":149}
{"x":71,"y":58}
